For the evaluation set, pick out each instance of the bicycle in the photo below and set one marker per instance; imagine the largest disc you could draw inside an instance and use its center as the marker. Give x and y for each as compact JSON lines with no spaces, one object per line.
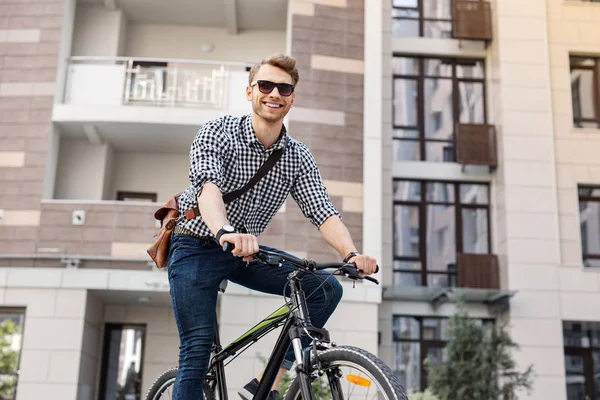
{"x":323,"y":357}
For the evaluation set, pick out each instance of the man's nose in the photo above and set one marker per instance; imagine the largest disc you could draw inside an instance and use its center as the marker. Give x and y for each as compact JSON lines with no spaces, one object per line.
{"x":275,"y":92}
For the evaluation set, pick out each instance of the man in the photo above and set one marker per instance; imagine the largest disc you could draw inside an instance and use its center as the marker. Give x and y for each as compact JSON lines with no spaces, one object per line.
{"x":224,"y":156}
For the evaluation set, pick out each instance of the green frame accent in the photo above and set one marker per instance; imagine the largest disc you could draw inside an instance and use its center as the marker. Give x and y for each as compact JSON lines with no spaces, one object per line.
{"x":278,"y":314}
{"x":269,"y":323}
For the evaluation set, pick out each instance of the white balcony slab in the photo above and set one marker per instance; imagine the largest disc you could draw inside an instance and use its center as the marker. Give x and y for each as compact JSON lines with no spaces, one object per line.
{"x":89,"y":113}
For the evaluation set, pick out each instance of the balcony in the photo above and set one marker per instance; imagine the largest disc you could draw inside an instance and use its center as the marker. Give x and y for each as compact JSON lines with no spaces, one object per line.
{"x":474,"y":277}
{"x":151,"y":90}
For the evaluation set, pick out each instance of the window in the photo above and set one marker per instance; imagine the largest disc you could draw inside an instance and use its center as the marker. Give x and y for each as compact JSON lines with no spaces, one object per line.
{"x":433,"y":221}
{"x":136,"y":196}
{"x":417,"y":340}
{"x":11,"y":338}
{"x":427,"y":18}
{"x":430,"y":96}
{"x":585,"y":93}
{"x":589,"y":220}
{"x":122,"y":360}
{"x":582,"y":359}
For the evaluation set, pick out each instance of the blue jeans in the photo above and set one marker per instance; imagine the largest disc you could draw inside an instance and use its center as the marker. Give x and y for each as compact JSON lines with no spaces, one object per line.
{"x":196,"y":267}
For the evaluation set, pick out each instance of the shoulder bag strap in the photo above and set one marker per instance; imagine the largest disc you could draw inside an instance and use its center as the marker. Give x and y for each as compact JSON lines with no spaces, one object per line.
{"x":229,"y":197}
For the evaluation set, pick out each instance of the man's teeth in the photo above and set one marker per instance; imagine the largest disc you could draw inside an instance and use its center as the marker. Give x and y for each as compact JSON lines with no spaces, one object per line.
{"x":271,"y":105}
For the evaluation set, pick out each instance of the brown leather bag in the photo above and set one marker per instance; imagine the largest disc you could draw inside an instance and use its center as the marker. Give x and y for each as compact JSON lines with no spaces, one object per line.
{"x":169,"y":213}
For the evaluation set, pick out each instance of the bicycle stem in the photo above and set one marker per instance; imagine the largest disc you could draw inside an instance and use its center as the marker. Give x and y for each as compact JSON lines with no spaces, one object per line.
{"x":298,"y":298}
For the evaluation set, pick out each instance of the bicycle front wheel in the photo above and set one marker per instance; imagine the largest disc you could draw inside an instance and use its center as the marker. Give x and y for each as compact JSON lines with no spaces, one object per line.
{"x":162,"y":388}
{"x":350,"y":373}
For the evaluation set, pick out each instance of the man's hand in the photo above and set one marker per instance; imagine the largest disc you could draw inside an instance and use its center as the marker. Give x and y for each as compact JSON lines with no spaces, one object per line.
{"x":366,"y":263}
{"x":245,"y":244}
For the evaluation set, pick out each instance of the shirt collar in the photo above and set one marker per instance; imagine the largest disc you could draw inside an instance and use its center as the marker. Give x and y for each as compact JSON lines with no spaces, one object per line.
{"x":253,"y":140}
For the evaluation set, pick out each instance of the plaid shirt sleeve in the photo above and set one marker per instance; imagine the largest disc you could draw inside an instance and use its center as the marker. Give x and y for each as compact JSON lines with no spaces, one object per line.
{"x":207,"y":154}
{"x":310,"y":193}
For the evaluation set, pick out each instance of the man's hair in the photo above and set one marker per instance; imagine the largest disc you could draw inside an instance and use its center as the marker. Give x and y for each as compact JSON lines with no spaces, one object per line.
{"x":286,"y":63}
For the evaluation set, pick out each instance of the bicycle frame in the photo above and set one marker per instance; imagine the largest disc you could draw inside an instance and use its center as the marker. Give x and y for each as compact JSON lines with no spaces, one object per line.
{"x":296,"y":323}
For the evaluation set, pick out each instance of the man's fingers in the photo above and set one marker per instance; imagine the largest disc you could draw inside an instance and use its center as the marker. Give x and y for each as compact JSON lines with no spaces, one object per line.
{"x":366,"y":264}
{"x":245,"y":245}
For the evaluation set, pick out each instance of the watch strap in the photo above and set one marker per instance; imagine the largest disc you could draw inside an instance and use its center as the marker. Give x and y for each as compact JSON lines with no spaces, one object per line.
{"x":220,"y":233}
{"x":350,"y":255}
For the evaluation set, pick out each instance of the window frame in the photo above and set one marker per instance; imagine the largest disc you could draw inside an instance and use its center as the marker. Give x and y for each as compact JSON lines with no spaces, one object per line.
{"x":422,"y":205}
{"x":578,"y":121}
{"x":109,"y":327}
{"x":424,"y":344}
{"x":22,"y":313}
{"x":420,"y":78}
{"x":421,"y":18}
{"x":587,"y":354}
{"x":136,"y":196}
{"x":587,"y":198}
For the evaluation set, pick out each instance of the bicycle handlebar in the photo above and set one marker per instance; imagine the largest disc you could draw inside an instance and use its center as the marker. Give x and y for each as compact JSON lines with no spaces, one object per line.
{"x":273,"y":258}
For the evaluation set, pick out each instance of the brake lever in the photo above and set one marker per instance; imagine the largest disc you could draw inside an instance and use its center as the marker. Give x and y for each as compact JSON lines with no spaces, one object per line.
{"x":375,"y":281}
{"x":354,"y":273}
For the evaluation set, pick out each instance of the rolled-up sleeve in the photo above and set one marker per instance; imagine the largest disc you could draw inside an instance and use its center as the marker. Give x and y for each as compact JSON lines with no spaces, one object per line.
{"x":207,"y":155}
{"x":310,"y":193}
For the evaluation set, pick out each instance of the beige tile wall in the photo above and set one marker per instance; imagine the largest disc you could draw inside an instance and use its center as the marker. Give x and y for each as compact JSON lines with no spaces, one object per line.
{"x":526,"y":232}
{"x":29,"y":44}
{"x":327,"y":41}
{"x":574,"y":29}
{"x":52,"y":340}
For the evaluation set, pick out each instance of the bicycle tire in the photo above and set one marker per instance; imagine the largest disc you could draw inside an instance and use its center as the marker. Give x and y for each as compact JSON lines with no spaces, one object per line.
{"x":389,"y":382}
{"x":166,"y":379}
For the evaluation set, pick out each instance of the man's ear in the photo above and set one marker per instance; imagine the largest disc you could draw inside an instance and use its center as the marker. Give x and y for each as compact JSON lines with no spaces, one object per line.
{"x":249,"y":93}
{"x":293,"y":99}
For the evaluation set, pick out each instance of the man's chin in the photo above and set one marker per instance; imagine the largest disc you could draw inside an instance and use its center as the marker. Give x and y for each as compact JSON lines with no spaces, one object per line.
{"x":271,"y":118}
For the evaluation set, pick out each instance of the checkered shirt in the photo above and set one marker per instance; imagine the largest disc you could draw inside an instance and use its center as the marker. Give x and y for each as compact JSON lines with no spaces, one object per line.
{"x":227,"y":153}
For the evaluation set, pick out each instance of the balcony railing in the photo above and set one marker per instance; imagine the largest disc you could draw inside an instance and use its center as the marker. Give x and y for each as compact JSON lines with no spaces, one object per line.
{"x":479,"y":271}
{"x":472,"y":20}
{"x":476,"y":145}
{"x":151,"y":82}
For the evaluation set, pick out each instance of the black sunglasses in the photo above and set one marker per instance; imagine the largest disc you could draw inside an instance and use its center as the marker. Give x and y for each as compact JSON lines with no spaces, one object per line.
{"x":266,"y":87}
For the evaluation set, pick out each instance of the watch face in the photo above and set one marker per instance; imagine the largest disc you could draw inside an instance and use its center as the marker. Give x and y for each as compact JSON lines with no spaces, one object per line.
{"x":228,"y":228}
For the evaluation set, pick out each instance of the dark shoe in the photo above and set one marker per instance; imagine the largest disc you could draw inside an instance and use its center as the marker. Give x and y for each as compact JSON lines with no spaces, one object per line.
{"x":248,"y":391}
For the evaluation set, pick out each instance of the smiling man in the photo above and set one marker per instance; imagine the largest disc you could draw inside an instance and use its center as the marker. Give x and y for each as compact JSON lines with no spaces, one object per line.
{"x":225,"y":154}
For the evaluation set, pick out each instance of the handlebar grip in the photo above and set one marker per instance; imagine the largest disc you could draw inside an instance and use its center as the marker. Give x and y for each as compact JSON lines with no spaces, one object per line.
{"x":228,"y":246}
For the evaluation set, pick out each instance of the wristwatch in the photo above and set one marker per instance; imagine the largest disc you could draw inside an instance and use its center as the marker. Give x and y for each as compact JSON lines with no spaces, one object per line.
{"x":225,"y":229}
{"x":351,"y":255}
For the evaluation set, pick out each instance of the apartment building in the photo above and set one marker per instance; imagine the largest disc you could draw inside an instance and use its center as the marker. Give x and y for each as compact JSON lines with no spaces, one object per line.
{"x":457,"y":138}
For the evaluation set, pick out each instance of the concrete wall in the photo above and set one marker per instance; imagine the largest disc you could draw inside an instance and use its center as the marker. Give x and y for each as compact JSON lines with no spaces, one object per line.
{"x":81,"y":169}
{"x":98,"y":31}
{"x":52,"y":343}
{"x":97,"y":172}
{"x":164,"y":174}
{"x":174,"y":41}
{"x":91,"y":349}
